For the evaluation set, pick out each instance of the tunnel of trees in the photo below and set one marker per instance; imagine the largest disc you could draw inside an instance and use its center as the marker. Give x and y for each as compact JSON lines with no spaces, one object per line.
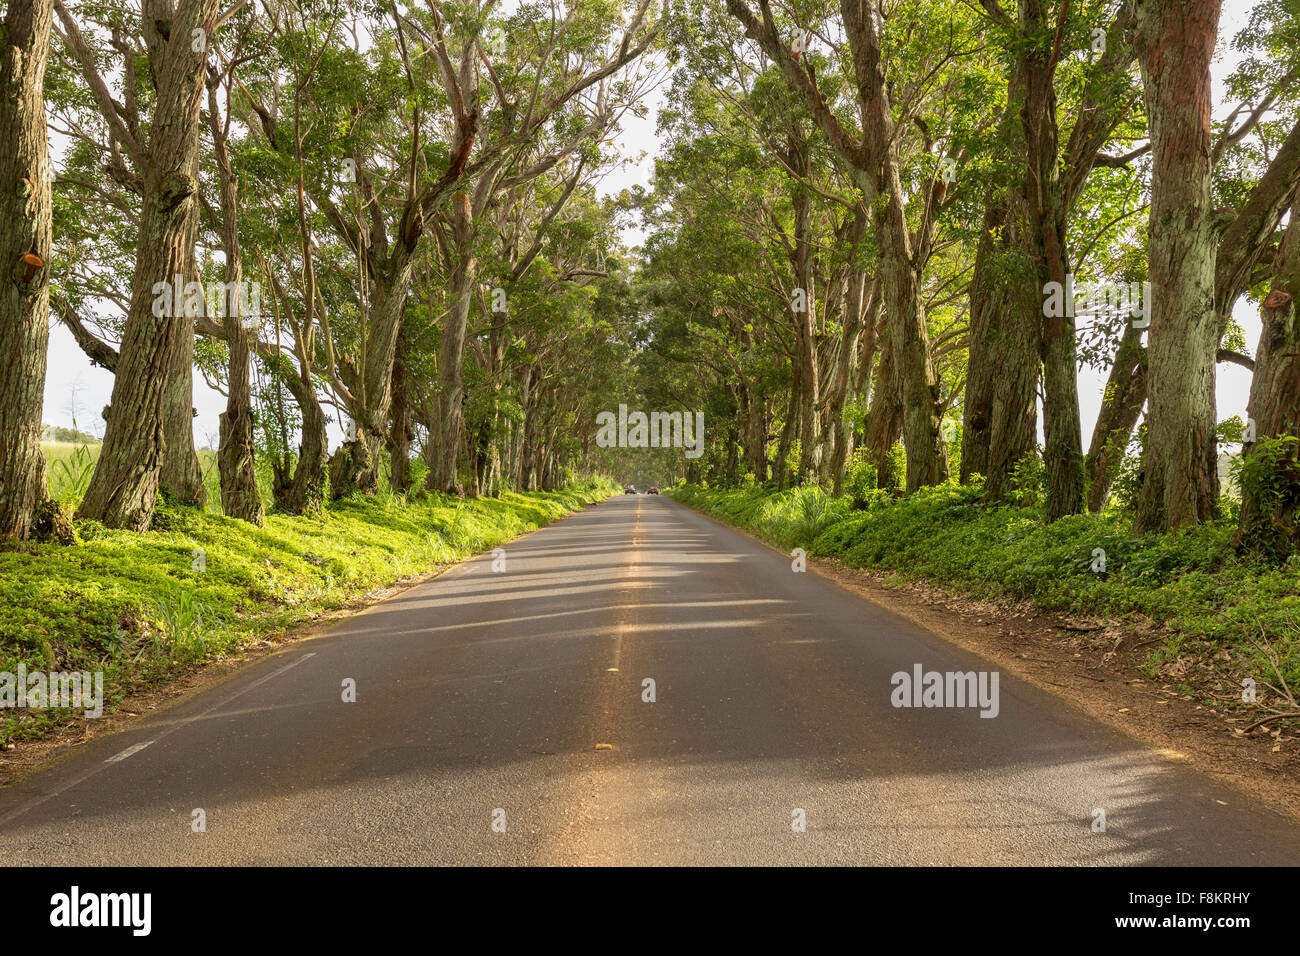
{"x":881,"y":242}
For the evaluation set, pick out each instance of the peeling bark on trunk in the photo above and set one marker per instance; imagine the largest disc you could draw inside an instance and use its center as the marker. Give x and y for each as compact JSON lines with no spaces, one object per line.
{"x":1013,"y":417}
{"x":1175,"y":42}
{"x":240,"y":497}
{"x":25,"y":251}
{"x":1001,"y":413}
{"x":180,"y":477}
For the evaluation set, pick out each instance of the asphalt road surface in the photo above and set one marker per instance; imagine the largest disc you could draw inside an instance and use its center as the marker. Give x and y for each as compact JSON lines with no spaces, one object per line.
{"x":500,"y":717}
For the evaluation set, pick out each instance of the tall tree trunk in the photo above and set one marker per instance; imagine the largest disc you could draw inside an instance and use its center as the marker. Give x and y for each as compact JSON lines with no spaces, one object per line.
{"x":913,"y":371}
{"x":180,"y":476}
{"x":787,"y":434}
{"x":1175,"y":43}
{"x":451,"y":354}
{"x":305,"y":493}
{"x":884,"y":421}
{"x":1006,"y":297}
{"x":901,"y":260}
{"x":854,"y":369}
{"x":124,"y":487}
{"x":851,"y":357}
{"x":1270,"y":524}
{"x":530,"y":451}
{"x":25,"y":251}
{"x":805,"y":318}
{"x":998,"y":363}
{"x":496,"y":436}
{"x":399,"y":434}
{"x":987,"y":349}
{"x":1062,"y":431}
{"x":1121,"y":406}
{"x":240,"y":497}
{"x":354,"y":466}
{"x":1013,"y":417}
{"x":758,"y":425}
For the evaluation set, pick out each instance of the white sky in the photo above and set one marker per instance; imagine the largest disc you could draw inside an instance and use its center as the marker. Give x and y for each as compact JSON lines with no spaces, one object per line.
{"x":76,"y":389}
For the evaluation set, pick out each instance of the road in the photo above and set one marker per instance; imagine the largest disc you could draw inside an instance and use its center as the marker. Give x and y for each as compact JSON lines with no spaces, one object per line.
{"x":500,"y":719}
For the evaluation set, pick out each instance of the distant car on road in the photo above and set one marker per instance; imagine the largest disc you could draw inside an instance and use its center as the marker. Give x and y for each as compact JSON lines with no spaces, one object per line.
{"x":653,"y":491}
{"x":629,"y":490}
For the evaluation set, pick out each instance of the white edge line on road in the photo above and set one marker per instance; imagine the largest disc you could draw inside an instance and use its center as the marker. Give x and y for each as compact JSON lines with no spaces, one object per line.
{"x":133,"y":749}
{"x":238,"y":694}
{"x":136,"y":748}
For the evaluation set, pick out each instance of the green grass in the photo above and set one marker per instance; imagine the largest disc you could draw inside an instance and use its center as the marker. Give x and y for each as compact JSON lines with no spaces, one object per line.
{"x":68,"y":469}
{"x":144,"y":607}
{"x":1206,"y":602}
{"x":70,"y":464}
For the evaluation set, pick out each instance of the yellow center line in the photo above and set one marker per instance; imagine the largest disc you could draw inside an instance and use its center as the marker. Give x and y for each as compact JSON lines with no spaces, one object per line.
{"x":623,"y":625}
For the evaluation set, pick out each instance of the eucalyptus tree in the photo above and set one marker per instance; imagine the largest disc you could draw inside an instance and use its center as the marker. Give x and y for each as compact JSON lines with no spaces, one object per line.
{"x":891,"y":123}
{"x":872,"y":156}
{"x":567,"y":81}
{"x":462,"y":90}
{"x":1270,"y":506}
{"x":1253,"y":167}
{"x":1019,"y":336}
{"x":810,"y":216}
{"x":1200,"y":262}
{"x":239,"y":311}
{"x":285,"y":107}
{"x":1175,"y":42}
{"x":545,"y":233}
{"x":25,"y":254}
{"x":153,"y":140}
{"x":1249,"y":258}
{"x":572,"y":312}
{"x":717,"y":280}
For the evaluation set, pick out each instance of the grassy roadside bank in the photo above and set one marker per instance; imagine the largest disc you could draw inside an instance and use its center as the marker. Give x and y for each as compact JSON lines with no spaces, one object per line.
{"x":1219,"y":617}
{"x":144,"y":607}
